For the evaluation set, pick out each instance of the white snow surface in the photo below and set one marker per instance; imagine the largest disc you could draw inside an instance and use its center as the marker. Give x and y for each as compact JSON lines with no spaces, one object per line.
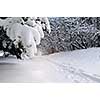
{"x":80,"y":66}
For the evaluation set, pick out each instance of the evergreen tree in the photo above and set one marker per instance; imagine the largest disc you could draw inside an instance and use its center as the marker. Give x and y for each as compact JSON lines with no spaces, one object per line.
{"x":20,"y":36}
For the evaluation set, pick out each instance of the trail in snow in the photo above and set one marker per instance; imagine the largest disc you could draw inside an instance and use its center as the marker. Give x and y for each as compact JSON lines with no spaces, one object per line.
{"x":79,"y":66}
{"x":38,"y":70}
{"x":76,"y":75}
{"x":74,"y":67}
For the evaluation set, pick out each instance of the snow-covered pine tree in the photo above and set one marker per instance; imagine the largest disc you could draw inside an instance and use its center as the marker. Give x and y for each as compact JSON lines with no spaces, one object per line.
{"x":24,"y":33}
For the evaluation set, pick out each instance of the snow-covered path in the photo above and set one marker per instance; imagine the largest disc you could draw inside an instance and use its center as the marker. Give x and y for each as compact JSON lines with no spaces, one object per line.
{"x":38,"y":70}
{"x":76,"y":75}
{"x":78,"y":66}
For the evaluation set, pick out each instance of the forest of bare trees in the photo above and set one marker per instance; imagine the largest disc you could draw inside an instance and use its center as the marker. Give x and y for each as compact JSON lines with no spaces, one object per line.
{"x":71,"y":33}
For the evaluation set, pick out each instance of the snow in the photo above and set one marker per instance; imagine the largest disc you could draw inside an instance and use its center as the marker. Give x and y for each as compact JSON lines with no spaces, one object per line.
{"x":85,"y":63}
{"x":35,"y":25}
{"x":27,"y":35}
{"x":45,"y":19}
{"x":1,"y":53}
{"x":29,"y":71}
{"x":75,"y":67}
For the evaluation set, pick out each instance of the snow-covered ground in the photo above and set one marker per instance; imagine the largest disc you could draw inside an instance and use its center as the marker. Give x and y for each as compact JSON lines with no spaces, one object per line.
{"x":75,"y":66}
{"x":79,"y":65}
{"x":37,"y":70}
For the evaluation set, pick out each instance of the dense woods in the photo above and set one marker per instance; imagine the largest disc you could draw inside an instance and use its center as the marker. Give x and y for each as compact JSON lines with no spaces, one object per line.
{"x":71,"y":33}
